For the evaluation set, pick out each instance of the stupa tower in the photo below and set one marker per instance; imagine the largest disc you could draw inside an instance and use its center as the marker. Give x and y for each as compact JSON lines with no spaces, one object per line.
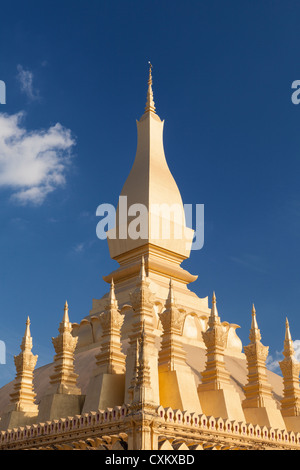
{"x":290,"y":368}
{"x":151,"y":224}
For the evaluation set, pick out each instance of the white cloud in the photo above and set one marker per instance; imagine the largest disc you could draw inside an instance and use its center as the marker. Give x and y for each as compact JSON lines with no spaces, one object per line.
{"x":272,"y":362}
{"x":296,"y":345}
{"x":79,"y":248}
{"x":32,"y":163}
{"x":25,"y":78}
{"x":83,"y":246}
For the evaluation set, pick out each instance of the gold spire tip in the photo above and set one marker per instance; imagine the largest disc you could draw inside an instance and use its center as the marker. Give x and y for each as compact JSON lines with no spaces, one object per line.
{"x":150,"y":105}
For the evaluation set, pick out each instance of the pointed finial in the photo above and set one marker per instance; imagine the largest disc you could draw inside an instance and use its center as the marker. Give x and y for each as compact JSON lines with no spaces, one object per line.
{"x":214,"y":311}
{"x":254,"y":330}
{"x":27,"y":330}
{"x":254,"y":324}
{"x":111,"y":301}
{"x":171,"y":299}
{"x":150,"y":73}
{"x":112,"y":295}
{"x":27,"y":339}
{"x":214,"y":316}
{"x":112,"y":290}
{"x":66,"y":313}
{"x":288,"y":349}
{"x":150,"y":102}
{"x":65,"y":323}
{"x":288,"y":336}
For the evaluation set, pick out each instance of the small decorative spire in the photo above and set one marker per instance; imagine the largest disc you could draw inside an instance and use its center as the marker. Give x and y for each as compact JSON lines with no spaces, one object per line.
{"x":63,"y":380}
{"x":214,"y":316}
{"x":27,"y":331}
{"x":288,"y":342}
{"x":290,"y":368}
{"x":215,"y":376}
{"x":254,"y":321}
{"x":254,"y":331}
{"x":27,"y":339}
{"x":23,"y":395}
{"x":66,"y":313}
{"x":65,"y":323}
{"x":112,"y":301}
{"x":288,"y":336}
{"x":171,"y":354}
{"x":258,"y":391}
{"x":150,"y":106}
{"x":171,"y":298}
{"x":110,"y":359}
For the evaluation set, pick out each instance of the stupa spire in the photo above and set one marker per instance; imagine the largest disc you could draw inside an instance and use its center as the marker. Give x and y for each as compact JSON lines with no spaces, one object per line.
{"x":27,"y":339}
{"x":258,"y":391}
{"x":64,"y":379}
{"x":171,"y":355}
{"x":23,"y":395}
{"x":150,"y":107}
{"x":254,"y":331}
{"x":112,"y":301}
{"x":215,"y":375}
{"x":288,"y":342}
{"x":214,"y":316}
{"x":290,"y":368}
{"x":111,"y":359}
{"x":65,"y":321}
{"x":161,"y":226}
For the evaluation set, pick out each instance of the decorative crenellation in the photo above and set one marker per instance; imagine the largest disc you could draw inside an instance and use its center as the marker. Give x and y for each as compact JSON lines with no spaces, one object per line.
{"x":195,"y":429}
{"x":57,"y":427}
{"x":252,"y":435}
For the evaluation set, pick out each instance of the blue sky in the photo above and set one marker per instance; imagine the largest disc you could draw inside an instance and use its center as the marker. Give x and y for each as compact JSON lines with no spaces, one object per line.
{"x":76,"y":75}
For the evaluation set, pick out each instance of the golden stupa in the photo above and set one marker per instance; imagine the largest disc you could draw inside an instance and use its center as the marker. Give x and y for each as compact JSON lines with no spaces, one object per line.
{"x":153,"y":366}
